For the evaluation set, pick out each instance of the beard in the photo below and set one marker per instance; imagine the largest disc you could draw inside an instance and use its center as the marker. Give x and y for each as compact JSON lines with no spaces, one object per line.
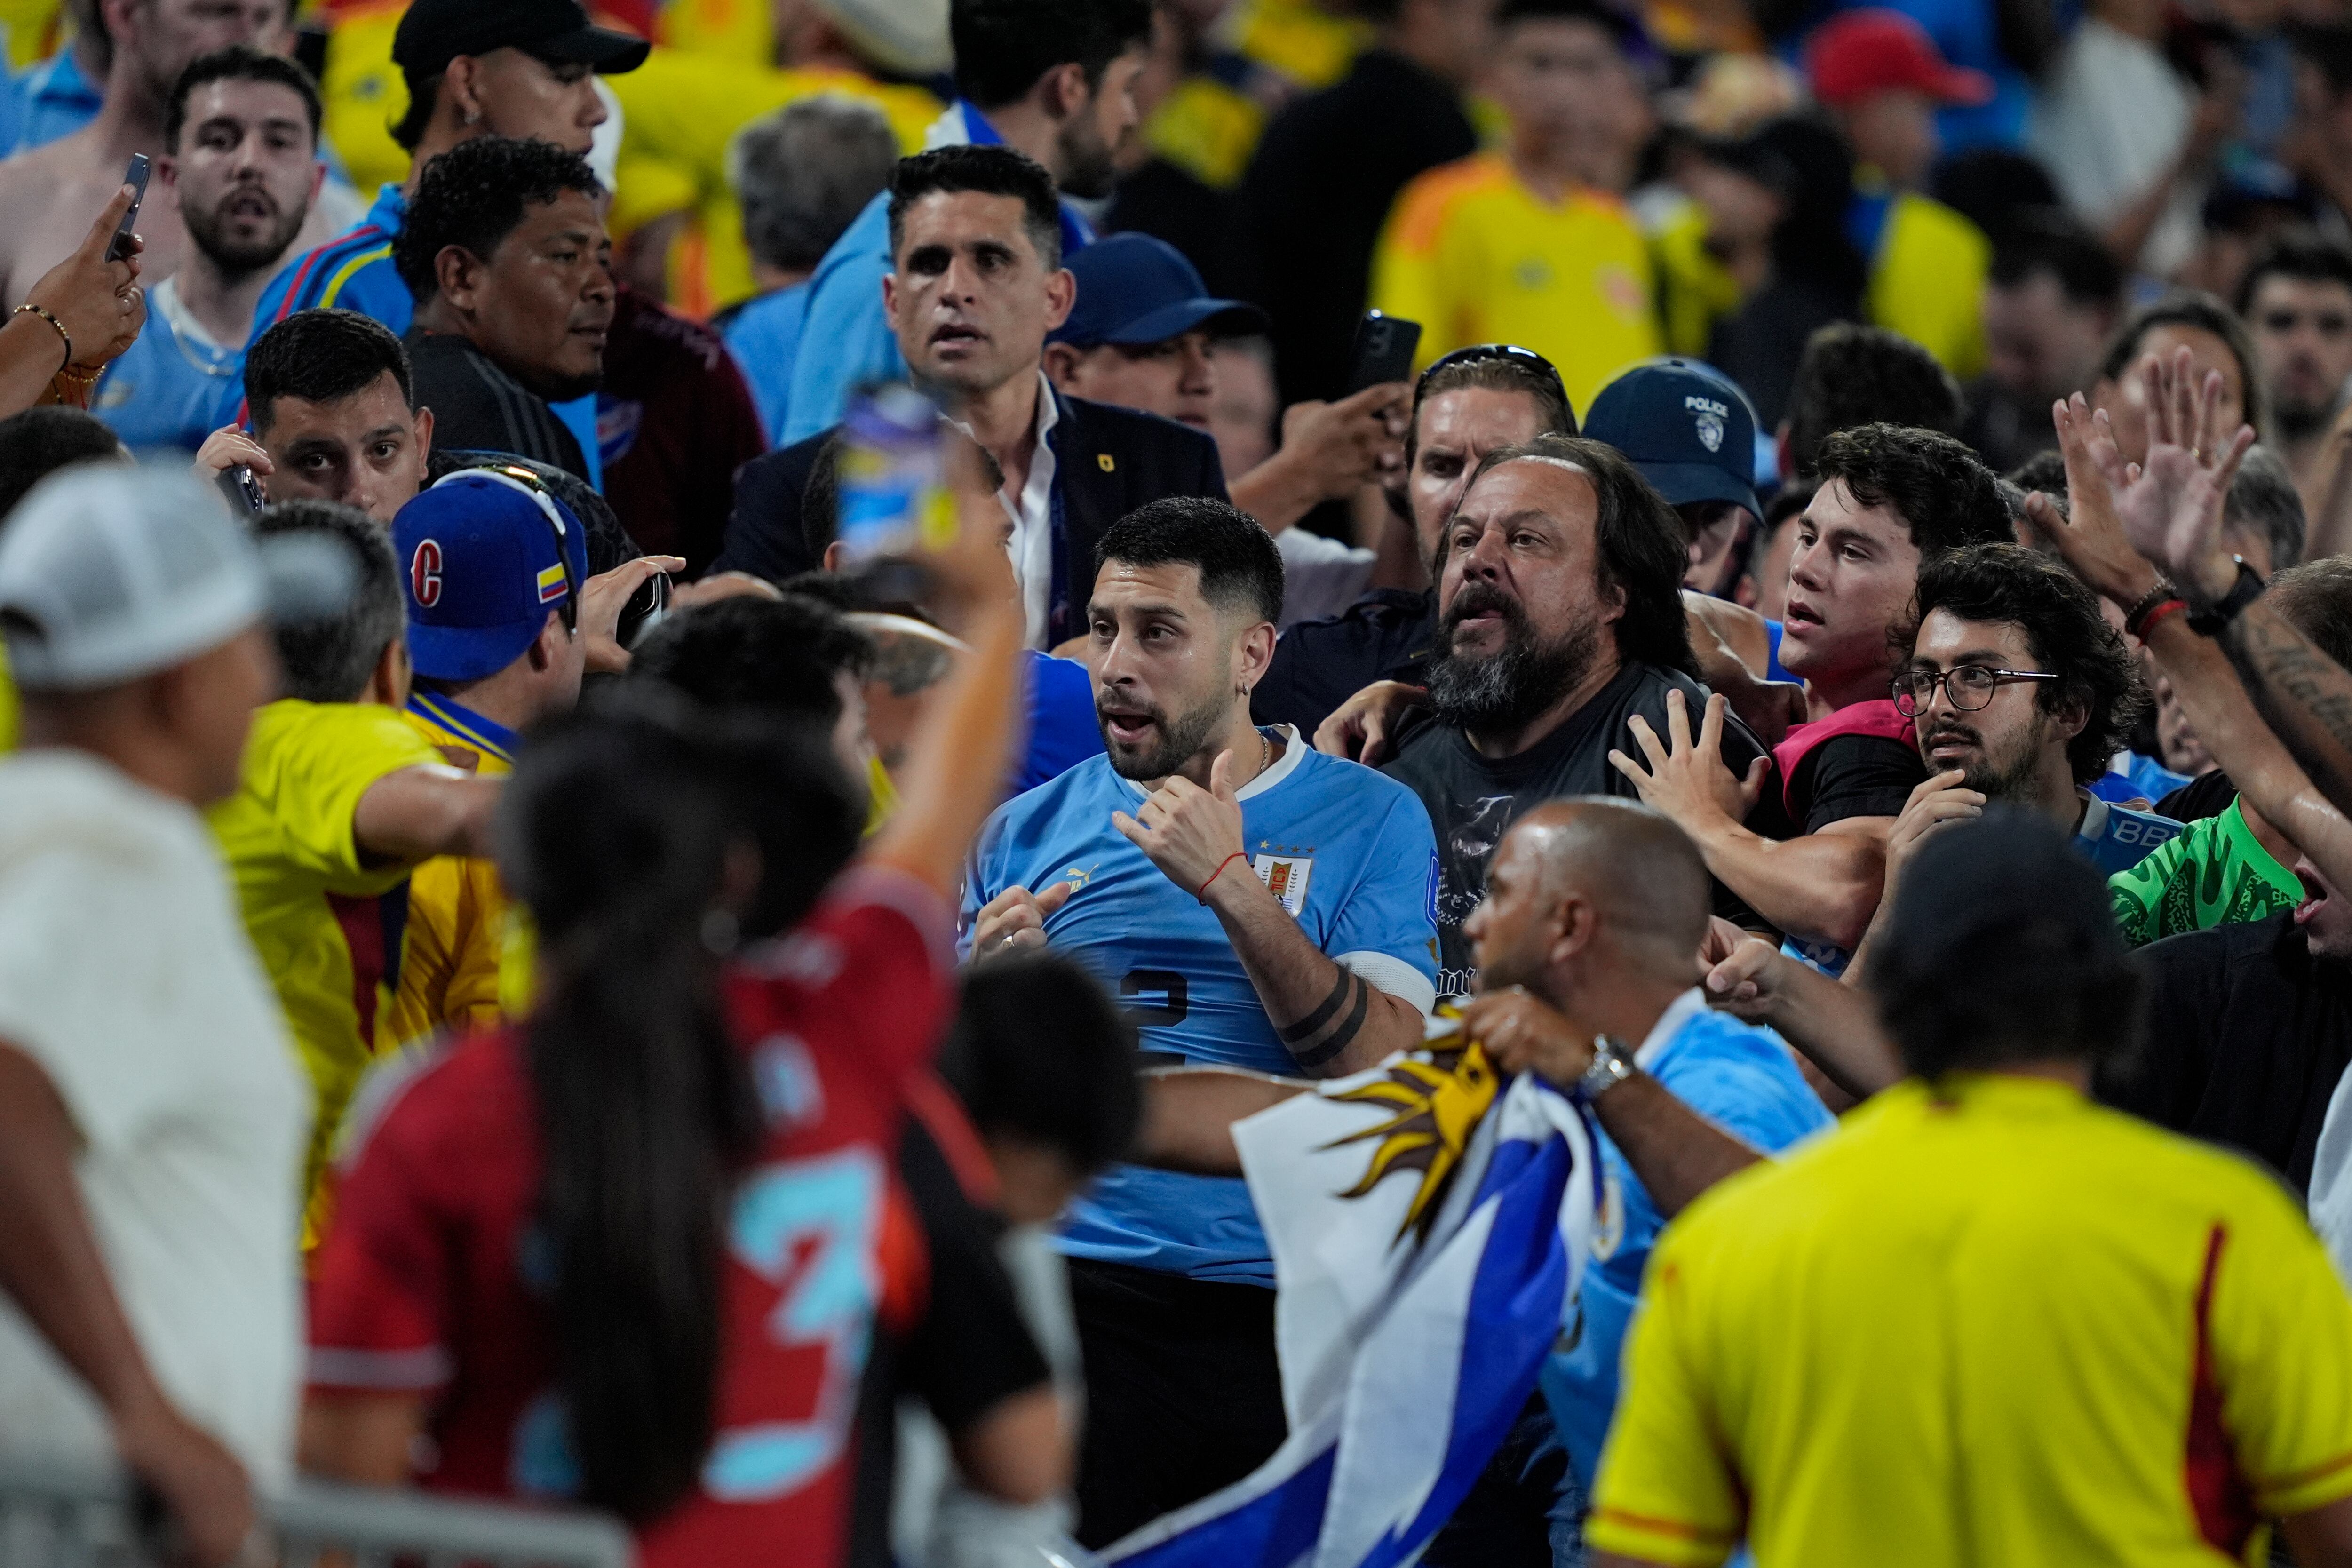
{"x":1505,"y":690}
{"x":565,"y":388}
{"x":1995,"y":778}
{"x":2300,"y":421}
{"x":1089,"y":165}
{"x":235,"y":255}
{"x":1171,"y":744}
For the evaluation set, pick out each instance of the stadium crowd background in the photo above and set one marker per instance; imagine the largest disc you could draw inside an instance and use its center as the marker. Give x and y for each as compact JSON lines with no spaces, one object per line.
{"x":532,"y":965}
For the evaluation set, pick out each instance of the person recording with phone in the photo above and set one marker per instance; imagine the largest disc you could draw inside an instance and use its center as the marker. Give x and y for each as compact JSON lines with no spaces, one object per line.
{"x":240,"y":157}
{"x":977,"y":283}
{"x":1144,"y":335}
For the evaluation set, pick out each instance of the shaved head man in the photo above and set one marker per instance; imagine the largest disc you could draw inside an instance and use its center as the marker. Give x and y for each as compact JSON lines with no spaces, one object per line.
{"x":1586,"y":943}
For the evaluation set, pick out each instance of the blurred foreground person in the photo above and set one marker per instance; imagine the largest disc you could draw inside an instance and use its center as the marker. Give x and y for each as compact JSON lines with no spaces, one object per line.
{"x":574,"y":1254}
{"x":2143,"y":1349}
{"x":151,"y":1115}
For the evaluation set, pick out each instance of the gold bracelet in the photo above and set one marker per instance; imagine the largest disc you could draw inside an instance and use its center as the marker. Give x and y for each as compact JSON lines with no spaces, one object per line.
{"x":52,"y":320}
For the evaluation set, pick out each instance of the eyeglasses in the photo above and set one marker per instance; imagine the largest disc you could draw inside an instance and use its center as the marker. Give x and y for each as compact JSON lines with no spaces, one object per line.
{"x":531,"y":485}
{"x":1528,"y":360}
{"x":1969,"y":686}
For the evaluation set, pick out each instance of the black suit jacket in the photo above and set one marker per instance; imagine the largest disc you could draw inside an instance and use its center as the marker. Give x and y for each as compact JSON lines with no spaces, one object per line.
{"x":1107,"y":462}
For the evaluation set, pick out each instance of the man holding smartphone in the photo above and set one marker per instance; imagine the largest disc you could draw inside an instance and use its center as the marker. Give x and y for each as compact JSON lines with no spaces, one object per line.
{"x":241,"y":158}
{"x":46,"y":195}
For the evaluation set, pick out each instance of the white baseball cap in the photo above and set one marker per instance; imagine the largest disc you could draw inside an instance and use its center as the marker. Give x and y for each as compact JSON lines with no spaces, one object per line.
{"x":109,"y":572}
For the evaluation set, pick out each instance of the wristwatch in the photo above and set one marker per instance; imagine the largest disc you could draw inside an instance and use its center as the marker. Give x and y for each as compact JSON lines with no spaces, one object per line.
{"x":1612,"y":1064}
{"x":2209,"y":622}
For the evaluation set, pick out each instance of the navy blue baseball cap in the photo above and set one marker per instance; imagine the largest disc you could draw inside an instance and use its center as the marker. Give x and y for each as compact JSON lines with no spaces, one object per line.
{"x":1135,"y":289}
{"x":1687,"y":425}
{"x":485,"y":555}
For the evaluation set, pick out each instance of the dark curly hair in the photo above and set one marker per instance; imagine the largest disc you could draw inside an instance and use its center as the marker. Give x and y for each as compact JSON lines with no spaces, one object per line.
{"x":474,"y":195}
{"x":1849,"y":376}
{"x":2063,"y":629}
{"x":1644,"y":549}
{"x":775,"y":655}
{"x":1943,"y":493}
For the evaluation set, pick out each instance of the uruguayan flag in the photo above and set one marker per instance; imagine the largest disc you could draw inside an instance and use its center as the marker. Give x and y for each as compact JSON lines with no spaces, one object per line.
{"x":1427,"y":1233}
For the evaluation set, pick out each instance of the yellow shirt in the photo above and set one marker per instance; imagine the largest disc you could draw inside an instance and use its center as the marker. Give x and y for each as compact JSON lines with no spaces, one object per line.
{"x":1476,"y":257}
{"x":1927,"y":281}
{"x":324,"y":919}
{"x":680,"y":110}
{"x":457,"y":906}
{"x":2000,"y":1325}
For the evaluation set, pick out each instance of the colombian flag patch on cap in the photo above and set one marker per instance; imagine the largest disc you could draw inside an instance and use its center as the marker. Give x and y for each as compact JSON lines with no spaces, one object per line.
{"x":551,"y":584}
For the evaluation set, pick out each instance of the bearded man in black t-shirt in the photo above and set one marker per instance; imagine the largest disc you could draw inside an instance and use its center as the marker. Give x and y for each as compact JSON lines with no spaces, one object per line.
{"x":1561,"y":618}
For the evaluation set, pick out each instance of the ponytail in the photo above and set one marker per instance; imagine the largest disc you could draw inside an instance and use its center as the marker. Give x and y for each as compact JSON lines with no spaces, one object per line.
{"x":618,"y":831}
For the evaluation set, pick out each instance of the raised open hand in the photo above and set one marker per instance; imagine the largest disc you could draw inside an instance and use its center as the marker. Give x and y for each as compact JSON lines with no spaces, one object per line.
{"x":2088,"y":535}
{"x":2171,"y":508}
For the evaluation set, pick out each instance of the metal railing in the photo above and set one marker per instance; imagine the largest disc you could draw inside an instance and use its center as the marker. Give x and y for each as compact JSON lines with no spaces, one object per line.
{"x":56,"y":1516}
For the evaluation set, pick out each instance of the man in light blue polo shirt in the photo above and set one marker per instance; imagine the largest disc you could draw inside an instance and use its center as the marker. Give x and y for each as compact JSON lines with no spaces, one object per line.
{"x":1052,"y":79}
{"x":1586,"y":943}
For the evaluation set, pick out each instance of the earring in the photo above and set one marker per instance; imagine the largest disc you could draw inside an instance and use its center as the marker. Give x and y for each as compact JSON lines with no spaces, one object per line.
{"x":472,"y":116}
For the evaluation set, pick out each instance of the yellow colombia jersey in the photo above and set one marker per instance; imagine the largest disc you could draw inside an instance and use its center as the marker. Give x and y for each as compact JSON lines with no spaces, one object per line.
{"x":1990,"y":1324}
{"x":680,"y":110}
{"x":1927,"y":281}
{"x":325,"y":922}
{"x":1476,"y":257}
{"x":456,"y":905}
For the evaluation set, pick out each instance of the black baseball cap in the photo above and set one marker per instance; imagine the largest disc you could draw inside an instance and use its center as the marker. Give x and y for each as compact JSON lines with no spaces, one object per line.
{"x":1687,"y":425}
{"x":436,"y":32}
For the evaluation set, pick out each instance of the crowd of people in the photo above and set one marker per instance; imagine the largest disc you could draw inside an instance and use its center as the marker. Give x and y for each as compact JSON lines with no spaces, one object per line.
{"x":1785,"y":570}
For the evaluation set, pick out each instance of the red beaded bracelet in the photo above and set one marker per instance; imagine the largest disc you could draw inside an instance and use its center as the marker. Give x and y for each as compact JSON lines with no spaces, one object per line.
{"x":2170,"y":607}
{"x":1203,"y":894}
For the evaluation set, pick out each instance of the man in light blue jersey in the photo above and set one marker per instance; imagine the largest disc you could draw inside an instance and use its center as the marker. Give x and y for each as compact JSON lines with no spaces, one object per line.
{"x":1255,"y":905}
{"x":1051,"y":78}
{"x":241,"y":152}
{"x":2017,"y":689}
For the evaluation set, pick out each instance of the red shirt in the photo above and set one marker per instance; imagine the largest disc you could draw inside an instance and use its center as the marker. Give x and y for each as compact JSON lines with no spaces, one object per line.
{"x":433,"y":1279}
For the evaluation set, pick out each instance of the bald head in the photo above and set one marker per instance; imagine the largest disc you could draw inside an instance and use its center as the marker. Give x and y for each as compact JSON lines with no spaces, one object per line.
{"x":1638,"y":875}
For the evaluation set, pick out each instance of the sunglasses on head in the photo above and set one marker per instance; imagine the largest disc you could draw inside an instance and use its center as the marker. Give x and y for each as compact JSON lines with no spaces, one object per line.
{"x":531,"y":485}
{"x":1528,"y":360}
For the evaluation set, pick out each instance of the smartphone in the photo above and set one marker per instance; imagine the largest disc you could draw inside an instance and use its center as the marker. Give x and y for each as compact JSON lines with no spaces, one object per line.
{"x":243,"y":488}
{"x":135,"y":176}
{"x":1384,"y":350}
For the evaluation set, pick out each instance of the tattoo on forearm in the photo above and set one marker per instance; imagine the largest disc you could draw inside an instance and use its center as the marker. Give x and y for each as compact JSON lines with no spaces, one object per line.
{"x":1333,"y":1026}
{"x":2304,"y":695}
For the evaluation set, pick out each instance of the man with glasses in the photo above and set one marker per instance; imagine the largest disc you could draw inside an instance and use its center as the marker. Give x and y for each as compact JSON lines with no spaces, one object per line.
{"x":2297,"y":301}
{"x":2018,"y":691}
{"x":1892,"y":500}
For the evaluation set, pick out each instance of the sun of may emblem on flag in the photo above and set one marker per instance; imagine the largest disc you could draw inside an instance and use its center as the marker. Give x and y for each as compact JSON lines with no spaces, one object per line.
{"x":1433,"y":1111}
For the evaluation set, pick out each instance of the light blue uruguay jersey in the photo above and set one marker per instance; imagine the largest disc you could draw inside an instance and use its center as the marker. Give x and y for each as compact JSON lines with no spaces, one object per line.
{"x":174,"y":386}
{"x":1738,"y":1076}
{"x":1351,"y":854}
{"x":2117,"y":838}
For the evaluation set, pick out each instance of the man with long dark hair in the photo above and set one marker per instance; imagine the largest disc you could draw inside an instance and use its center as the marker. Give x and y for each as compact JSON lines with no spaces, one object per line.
{"x":1561,"y":618}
